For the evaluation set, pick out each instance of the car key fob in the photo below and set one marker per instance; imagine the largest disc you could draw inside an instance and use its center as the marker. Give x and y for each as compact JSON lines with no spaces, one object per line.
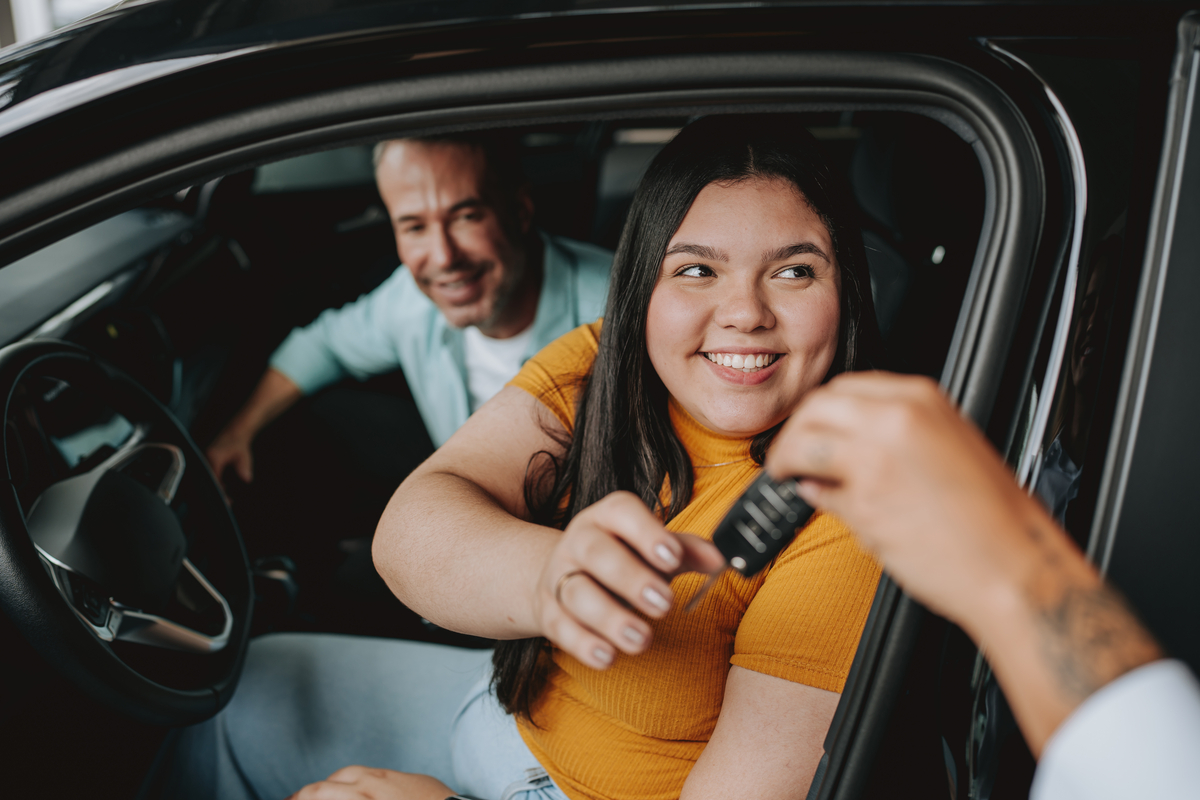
{"x":762,"y":522}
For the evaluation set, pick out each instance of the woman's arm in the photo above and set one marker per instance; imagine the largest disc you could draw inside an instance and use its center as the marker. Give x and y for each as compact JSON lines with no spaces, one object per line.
{"x":455,"y":546}
{"x":768,"y":740}
{"x":456,"y":524}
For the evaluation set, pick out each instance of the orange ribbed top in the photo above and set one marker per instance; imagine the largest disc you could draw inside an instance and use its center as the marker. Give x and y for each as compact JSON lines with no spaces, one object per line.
{"x":635,"y":729}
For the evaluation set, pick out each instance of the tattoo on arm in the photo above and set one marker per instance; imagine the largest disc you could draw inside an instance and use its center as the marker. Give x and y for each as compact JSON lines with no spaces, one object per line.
{"x":1091,"y":637}
{"x":1088,"y":634}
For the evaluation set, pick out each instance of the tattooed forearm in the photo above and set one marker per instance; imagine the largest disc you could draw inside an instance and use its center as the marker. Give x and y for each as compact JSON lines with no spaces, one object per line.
{"x":1091,"y":637}
{"x":1088,"y":634}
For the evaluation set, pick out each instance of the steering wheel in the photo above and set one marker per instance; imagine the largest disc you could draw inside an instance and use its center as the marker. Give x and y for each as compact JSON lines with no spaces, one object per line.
{"x":125,"y":571}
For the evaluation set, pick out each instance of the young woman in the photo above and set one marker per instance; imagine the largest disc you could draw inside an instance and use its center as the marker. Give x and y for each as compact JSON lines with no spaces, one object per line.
{"x":739,"y":285}
{"x":570,"y":518}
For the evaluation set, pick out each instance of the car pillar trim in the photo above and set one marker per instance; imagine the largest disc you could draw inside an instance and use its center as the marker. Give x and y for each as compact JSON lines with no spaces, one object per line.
{"x":1185,"y":75}
{"x":1031,"y":451}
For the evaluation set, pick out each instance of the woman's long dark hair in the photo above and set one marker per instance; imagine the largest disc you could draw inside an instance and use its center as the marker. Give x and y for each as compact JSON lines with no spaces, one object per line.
{"x":623,"y":435}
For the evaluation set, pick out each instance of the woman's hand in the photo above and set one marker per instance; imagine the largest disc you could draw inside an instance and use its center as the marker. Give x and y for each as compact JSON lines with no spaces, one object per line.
{"x":365,"y":783}
{"x":458,"y":529}
{"x":613,"y":559}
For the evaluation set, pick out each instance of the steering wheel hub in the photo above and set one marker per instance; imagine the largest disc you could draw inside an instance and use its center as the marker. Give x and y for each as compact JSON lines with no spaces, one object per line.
{"x":104,"y":555}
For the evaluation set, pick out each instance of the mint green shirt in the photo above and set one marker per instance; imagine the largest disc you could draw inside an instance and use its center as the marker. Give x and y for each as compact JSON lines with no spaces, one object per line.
{"x":396,"y":325}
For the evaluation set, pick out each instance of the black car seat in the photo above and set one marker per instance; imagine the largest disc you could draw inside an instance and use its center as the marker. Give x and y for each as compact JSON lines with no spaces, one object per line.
{"x":871,"y":171}
{"x":920,"y":191}
{"x":621,"y":168}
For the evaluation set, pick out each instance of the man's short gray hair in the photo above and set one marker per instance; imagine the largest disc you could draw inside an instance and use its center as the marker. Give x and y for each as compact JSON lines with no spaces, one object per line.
{"x":501,"y":154}
{"x":380,"y":147}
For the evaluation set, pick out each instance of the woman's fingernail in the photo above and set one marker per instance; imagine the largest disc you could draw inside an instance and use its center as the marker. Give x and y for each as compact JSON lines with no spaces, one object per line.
{"x":634,"y":636}
{"x":603,"y":656}
{"x":666,"y":556}
{"x":654,"y":598}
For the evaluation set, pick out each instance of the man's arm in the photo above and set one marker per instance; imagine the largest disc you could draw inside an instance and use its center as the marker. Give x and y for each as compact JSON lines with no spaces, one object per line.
{"x":274,"y":394}
{"x":925,"y":491}
{"x":357,"y":339}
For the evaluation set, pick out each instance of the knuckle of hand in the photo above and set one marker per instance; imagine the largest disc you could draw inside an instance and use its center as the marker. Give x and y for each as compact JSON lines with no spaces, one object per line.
{"x":627,"y":511}
{"x":589,"y":549}
{"x":874,"y":471}
{"x":557,"y":629}
{"x":582,"y":602}
{"x":585,"y":607}
{"x":577,"y":544}
{"x":610,"y":502}
{"x":833,"y":409}
{"x":352,"y":773}
{"x":612,"y":563}
{"x":899,"y":419}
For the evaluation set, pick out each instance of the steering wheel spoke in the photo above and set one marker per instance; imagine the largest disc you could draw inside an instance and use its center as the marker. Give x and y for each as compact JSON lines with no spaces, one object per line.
{"x":114,"y":541}
{"x":110,"y":620}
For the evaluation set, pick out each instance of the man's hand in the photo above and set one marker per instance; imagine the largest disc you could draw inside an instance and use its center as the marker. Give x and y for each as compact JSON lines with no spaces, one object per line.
{"x":274,"y":394}
{"x":917,"y":482}
{"x":921,"y":487}
{"x":230,"y":449}
{"x":365,"y":783}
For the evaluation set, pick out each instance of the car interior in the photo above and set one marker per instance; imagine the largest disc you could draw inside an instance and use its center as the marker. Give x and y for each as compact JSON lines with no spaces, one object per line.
{"x":188,"y":295}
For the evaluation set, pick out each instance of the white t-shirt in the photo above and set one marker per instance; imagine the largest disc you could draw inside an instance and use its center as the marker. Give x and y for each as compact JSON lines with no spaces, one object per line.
{"x":1138,"y":737}
{"x":491,"y":363}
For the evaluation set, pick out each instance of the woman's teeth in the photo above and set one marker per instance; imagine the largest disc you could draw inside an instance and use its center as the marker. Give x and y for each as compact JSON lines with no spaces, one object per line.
{"x":748,"y":363}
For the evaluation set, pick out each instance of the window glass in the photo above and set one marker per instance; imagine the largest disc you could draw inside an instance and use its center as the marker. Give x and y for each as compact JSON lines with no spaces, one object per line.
{"x":346,"y":166}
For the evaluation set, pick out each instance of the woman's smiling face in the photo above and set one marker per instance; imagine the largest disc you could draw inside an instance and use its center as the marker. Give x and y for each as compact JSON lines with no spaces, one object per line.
{"x":744,"y":317}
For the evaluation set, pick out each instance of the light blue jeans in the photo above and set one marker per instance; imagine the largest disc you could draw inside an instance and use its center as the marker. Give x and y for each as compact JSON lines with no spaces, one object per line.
{"x":309,"y":704}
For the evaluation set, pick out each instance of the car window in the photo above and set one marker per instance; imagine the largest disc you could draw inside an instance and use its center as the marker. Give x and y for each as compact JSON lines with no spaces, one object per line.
{"x":47,"y":292}
{"x":293,"y":237}
{"x":346,"y":166}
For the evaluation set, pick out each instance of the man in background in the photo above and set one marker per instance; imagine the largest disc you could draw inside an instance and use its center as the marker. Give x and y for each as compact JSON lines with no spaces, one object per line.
{"x":480,"y":289}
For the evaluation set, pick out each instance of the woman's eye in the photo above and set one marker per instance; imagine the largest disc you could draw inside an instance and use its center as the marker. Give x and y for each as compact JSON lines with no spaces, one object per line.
{"x":696,"y":271}
{"x":801,"y":271}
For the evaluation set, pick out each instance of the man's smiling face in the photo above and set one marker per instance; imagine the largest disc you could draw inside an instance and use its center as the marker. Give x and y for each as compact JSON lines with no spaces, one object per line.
{"x":449,"y":232}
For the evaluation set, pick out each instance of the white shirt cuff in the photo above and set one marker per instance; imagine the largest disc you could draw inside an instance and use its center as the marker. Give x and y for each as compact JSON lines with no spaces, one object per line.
{"x":1137,"y":737}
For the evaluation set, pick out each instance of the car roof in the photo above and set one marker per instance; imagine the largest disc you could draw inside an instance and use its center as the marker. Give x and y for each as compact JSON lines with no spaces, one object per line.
{"x":128,"y":76}
{"x":140,"y":32}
